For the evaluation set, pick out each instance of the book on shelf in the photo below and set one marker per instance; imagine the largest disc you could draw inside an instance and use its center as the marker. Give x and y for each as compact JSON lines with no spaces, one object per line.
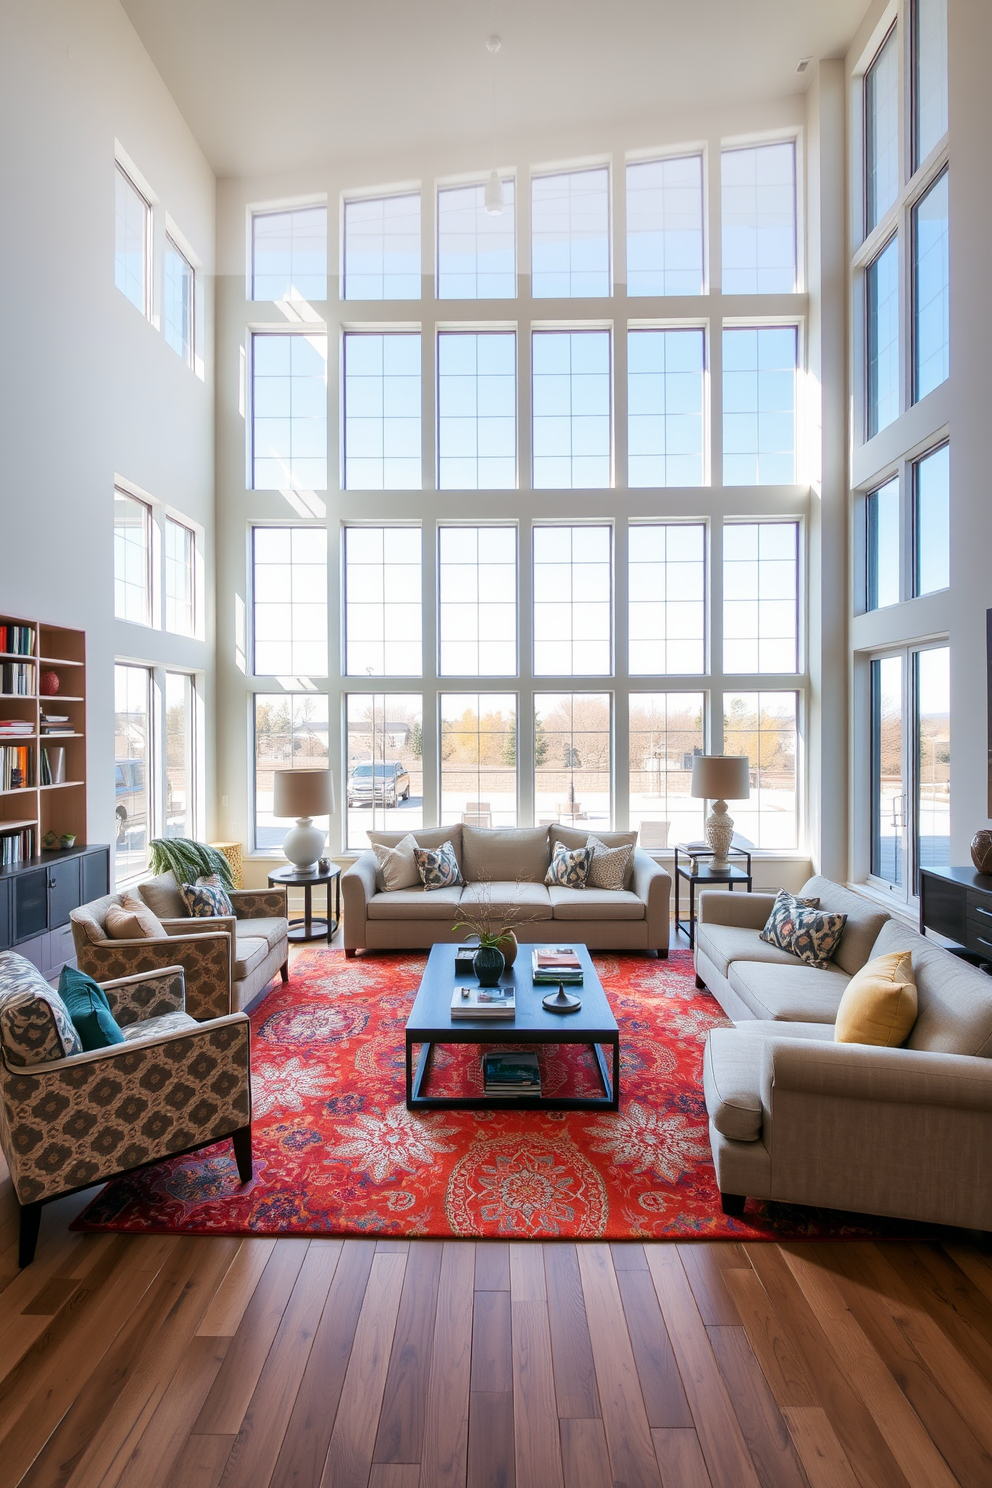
{"x":17,"y":640}
{"x":16,"y":766}
{"x":15,"y":728}
{"x":17,"y":846}
{"x":17,"y":678}
{"x":511,"y":1072}
{"x":554,"y":964}
{"x":51,"y":729}
{"x":483,"y":1002}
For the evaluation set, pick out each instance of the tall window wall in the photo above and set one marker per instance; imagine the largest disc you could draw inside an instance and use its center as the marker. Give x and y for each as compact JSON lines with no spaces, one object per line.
{"x":564,"y":547}
{"x":902,"y":457}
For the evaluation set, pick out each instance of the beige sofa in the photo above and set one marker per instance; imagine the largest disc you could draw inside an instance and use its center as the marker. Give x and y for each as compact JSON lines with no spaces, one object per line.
{"x":227,"y":960}
{"x":796,"y":1117}
{"x":508,"y":867}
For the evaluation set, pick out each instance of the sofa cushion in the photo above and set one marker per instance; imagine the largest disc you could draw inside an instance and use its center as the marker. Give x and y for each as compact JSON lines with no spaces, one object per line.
{"x":608,"y":869}
{"x":505,"y":854}
{"x":429,"y":837}
{"x":811,"y":934}
{"x":595,"y":904}
{"x":732,"y":1083}
{"x":954,"y":999}
{"x":165,"y":1023}
{"x":163,"y":898}
{"x":397,"y":866}
{"x":573,"y":837}
{"x":250,"y":952}
{"x":569,"y":867}
{"x":273,"y":930}
{"x":864,"y":920}
{"x":438,"y":867}
{"x":879,"y":1003}
{"x":789,"y":994}
{"x":133,"y":920}
{"x":35,"y":1026}
{"x":415,"y":904}
{"x":724,"y":944}
{"x":206,"y":898}
{"x":529,"y":900}
{"x":87,"y":1006}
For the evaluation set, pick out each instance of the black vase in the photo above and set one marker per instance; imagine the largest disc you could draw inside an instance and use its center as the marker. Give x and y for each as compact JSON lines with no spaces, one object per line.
{"x":489,"y":965}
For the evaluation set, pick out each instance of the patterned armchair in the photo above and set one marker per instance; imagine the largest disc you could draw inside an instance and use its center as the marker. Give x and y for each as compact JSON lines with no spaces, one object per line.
{"x":69,"y":1119}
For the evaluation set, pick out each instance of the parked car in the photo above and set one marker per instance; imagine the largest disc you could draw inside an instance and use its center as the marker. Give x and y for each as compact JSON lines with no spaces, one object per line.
{"x":129,"y":790}
{"x":384,"y":783}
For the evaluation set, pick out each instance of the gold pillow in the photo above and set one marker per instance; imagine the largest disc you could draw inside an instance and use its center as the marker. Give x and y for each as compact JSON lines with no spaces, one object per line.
{"x":879,"y":1004}
{"x":133,"y":920}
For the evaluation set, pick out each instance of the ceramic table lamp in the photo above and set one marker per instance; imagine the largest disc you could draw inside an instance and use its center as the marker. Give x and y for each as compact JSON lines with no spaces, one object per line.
{"x":719,"y":778}
{"x":303,"y":794}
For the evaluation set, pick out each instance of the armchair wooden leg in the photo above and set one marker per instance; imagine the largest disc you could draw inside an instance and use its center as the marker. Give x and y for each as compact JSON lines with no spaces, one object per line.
{"x":733,"y":1204}
{"x":663,"y":954}
{"x":242,"y":1153}
{"x":30,"y":1225}
{"x":350,"y":954}
{"x":284,"y":971}
{"x":700,"y":983}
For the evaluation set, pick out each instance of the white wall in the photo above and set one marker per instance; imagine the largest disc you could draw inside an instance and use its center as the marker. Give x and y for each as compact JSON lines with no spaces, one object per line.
{"x":89,"y":389}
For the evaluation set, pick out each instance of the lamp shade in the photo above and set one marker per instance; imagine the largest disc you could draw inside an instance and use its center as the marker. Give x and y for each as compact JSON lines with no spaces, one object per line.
{"x":721,"y":777}
{"x":302,"y":793}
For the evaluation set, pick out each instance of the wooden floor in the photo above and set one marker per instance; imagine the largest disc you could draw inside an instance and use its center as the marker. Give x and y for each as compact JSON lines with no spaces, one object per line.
{"x":190,"y":1362}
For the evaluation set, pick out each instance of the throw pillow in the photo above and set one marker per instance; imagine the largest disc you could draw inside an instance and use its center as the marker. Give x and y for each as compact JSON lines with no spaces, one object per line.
{"x":608,"y":869}
{"x":396,"y":866}
{"x":807,"y":932}
{"x":34,"y":1024}
{"x":879,"y":1004}
{"x":569,"y":867}
{"x":438,"y":867}
{"x":206,"y":898}
{"x":89,"y":1009}
{"x":133,"y":920}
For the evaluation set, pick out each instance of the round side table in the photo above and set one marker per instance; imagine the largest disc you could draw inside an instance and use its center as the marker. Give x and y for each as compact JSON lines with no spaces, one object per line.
{"x":312,"y":927}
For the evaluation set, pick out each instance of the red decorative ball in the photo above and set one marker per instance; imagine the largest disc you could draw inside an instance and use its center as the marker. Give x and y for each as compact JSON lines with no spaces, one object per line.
{"x":48,"y":684}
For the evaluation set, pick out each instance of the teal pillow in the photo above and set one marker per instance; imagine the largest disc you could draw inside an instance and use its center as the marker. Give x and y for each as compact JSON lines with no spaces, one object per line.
{"x":89,"y":1009}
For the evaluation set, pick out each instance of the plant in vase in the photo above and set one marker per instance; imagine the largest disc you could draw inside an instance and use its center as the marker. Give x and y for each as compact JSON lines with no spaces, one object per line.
{"x":494,"y":926}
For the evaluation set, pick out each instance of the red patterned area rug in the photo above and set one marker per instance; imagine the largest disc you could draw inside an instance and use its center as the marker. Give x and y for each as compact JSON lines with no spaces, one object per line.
{"x":337,"y":1152}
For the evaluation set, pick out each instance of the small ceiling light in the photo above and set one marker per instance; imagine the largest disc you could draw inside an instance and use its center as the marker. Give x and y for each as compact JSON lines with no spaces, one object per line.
{"x":493,"y":198}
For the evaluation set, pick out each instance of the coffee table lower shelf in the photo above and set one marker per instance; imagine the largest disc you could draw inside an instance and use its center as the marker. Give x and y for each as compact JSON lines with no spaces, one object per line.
{"x":415,"y":1078}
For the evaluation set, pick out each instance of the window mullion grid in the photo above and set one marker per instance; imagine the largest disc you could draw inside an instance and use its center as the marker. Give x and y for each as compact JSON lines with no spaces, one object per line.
{"x":429,"y":686}
{"x":714,"y":635}
{"x":620,"y":752}
{"x":618,"y":412}
{"x":335,"y":402}
{"x":713,"y":403}
{"x":525,"y":413}
{"x":428,"y":402}
{"x":618,"y":224}
{"x":336,"y":679}
{"x":526,"y":688}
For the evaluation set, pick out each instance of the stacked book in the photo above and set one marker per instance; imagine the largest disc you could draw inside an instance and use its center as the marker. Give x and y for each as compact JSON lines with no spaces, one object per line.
{"x":56,"y":723}
{"x":16,"y":766}
{"x":16,"y":847}
{"x":483,"y":1002}
{"x":15,"y":728}
{"x":17,"y":640}
{"x":17,"y":678}
{"x":554,"y":964}
{"x":509,"y":1072}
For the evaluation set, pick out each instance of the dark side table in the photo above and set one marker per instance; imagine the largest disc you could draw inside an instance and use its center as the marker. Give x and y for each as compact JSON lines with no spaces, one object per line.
{"x":312,"y":927}
{"x":705,"y":876}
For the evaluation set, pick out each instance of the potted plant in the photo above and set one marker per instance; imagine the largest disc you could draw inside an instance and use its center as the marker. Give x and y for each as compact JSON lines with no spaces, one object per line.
{"x":494,"y":927}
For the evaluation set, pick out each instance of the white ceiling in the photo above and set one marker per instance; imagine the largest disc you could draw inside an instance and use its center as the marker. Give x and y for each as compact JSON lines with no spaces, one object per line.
{"x":277,"y":85}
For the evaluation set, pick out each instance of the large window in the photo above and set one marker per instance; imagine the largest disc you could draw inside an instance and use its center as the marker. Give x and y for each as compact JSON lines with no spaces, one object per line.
{"x":665,"y":429}
{"x":132,"y":559}
{"x":666,"y":583}
{"x":572,"y":768}
{"x":910,"y":765}
{"x":933,"y":759}
{"x":932,"y":521}
{"x":132,"y":770}
{"x":289,"y":601}
{"x":382,"y":412}
{"x":888,"y":802}
{"x":573,"y":601}
{"x":882,"y":315}
{"x":760,"y":596}
{"x":289,"y":411}
{"x":475,"y":249}
{"x":180,"y":761}
{"x":929,"y":76}
{"x":478,"y":749}
{"x":931,"y":290}
{"x":290,"y":734}
{"x":571,"y":397}
{"x":477,"y":601}
{"x":665,"y":226}
{"x":759,"y":405}
{"x":477,"y":410}
{"x":385,"y":779}
{"x":382,"y":248}
{"x":764,"y":726}
{"x":759,"y":219}
{"x":180,"y":577}
{"x":178,"y":302}
{"x":884,"y":547}
{"x":383,"y":601}
{"x":289,"y":254}
{"x":881,"y":133}
{"x":666,"y":731}
{"x":570,"y":228}
{"x":132,"y":242}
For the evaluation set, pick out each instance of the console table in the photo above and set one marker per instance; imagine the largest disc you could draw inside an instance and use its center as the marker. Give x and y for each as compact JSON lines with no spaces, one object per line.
{"x":957,"y":903}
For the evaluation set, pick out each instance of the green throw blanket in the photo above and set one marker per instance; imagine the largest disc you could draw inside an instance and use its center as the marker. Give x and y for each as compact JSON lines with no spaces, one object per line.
{"x":187,"y":860}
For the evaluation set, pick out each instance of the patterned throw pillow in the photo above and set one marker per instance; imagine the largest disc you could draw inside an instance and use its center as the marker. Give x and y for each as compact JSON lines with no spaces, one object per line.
{"x":569,"y":867}
{"x":438,"y":867}
{"x":35,"y":1026}
{"x":798,"y":926}
{"x":206,"y":897}
{"x":608,"y":869}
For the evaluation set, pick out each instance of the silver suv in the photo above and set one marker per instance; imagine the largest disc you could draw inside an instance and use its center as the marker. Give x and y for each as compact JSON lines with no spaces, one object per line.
{"x":384,"y":784}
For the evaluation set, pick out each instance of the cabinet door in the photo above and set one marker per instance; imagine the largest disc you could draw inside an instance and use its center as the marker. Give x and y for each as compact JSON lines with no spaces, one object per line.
{"x":95,"y":868}
{"x":63,"y":891}
{"x":30,"y":903}
{"x":5,"y":926}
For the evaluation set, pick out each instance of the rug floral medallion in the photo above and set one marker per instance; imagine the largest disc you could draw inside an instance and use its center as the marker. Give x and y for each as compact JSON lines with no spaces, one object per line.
{"x":337,"y":1152}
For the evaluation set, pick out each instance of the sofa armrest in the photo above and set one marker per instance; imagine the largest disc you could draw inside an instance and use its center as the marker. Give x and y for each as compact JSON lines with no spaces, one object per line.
{"x":206,"y":960}
{"x":201,"y":925}
{"x":864,"y":1072}
{"x":746,"y":911}
{"x":358,"y":885}
{"x":653,"y":883}
{"x":260,"y":904}
{"x":134,"y":998}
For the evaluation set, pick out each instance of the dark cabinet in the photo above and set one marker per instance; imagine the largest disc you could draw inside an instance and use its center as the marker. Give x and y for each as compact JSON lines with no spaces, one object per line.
{"x":957,"y":903}
{"x":37,"y":898}
{"x":63,"y":891}
{"x":30,"y":903}
{"x":94,"y":868}
{"x":4,"y":913}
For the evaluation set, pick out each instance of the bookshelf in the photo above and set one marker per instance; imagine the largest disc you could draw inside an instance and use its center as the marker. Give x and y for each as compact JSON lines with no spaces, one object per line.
{"x":31,"y":806}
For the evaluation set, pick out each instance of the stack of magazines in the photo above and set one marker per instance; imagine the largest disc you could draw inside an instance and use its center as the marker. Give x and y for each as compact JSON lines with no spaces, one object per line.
{"x":511,"y":1072}
{"x":483,"y":1002}
{"x":554,"y":964}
